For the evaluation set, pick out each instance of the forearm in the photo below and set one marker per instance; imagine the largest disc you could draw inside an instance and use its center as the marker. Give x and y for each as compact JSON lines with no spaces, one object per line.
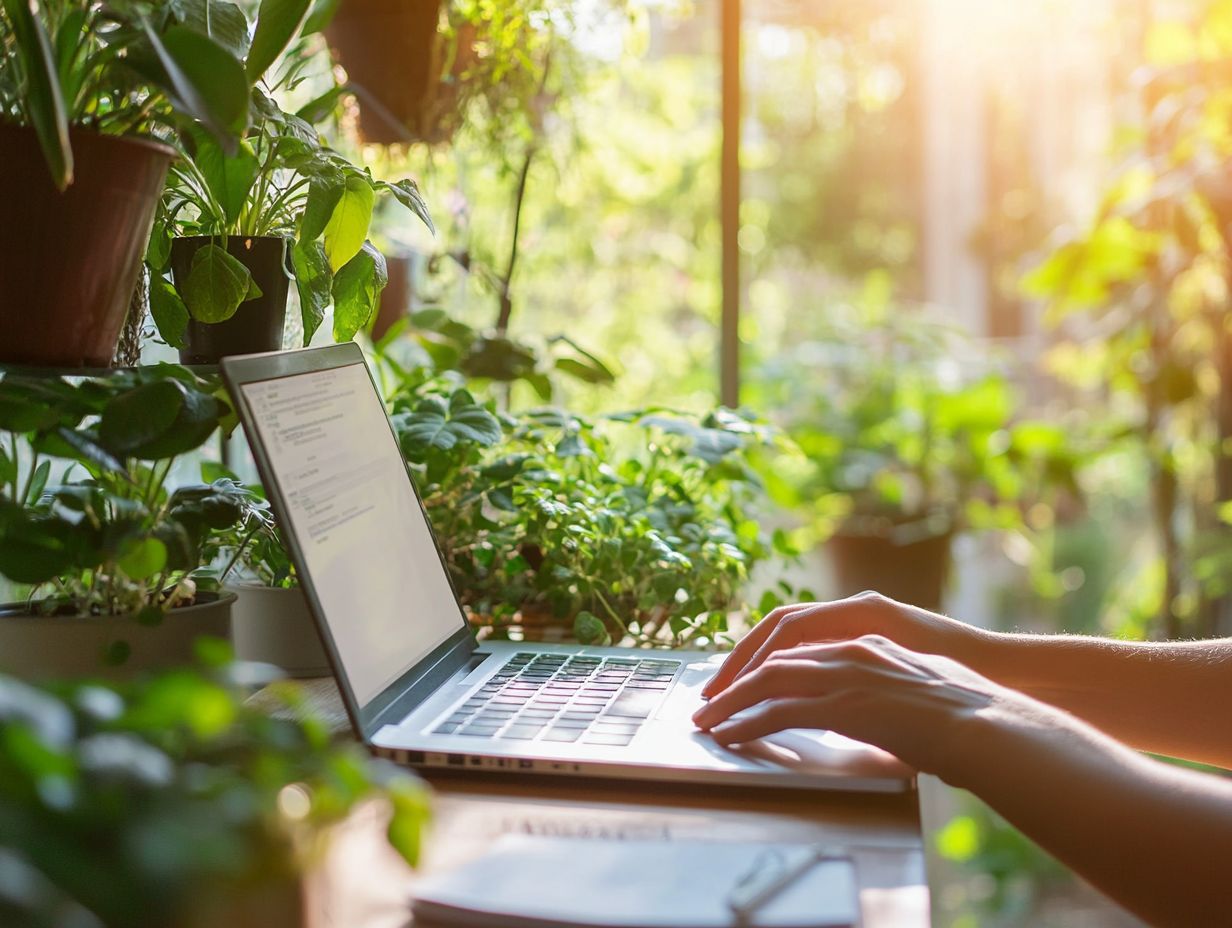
{"x":1143,"y":832}
{"x":1165,"y":697}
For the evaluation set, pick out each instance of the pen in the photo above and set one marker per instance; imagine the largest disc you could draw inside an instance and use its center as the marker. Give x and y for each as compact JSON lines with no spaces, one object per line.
{"x":769,"y":877}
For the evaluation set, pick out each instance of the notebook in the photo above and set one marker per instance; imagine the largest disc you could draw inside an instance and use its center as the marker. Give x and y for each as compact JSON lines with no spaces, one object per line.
{"x":526,"y":881}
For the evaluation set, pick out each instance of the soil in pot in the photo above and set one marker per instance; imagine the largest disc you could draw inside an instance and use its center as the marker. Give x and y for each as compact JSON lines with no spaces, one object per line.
{"x":915,"y":572}
{"x":394,"y":58}
{"x":258,"y":324}
{"x":38,"y":647}
{"x":69,"y":261}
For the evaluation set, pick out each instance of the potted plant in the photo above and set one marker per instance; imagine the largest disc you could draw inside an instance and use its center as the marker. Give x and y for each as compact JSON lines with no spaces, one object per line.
{"x":906,"y":439}
{"x":635,"y":527}
{"x":175,"y":803}
{"x":233,"y":228}
{"x":270,"y":620}
{"x":111,"y":557}
{"x":84,"y":89}
{"x":420,"y":69}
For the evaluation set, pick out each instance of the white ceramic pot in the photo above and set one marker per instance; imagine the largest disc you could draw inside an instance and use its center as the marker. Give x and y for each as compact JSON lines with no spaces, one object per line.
{"x":274,"y":626}
{"x":38,"y":647}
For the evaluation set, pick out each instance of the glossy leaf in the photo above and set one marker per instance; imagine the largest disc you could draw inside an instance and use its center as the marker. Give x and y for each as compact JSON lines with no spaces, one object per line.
{"x":169,"y":312}
{"x":407,"y":193}
{"x":278,"y":21}
{"x":357,"y":290}
{"x":216,"y":285}
{"x":324,"y":192}
{"x":347,"y":228}
{"x":314,"y":281}
{"x":229,"y":177}
{"x":206,"y":80}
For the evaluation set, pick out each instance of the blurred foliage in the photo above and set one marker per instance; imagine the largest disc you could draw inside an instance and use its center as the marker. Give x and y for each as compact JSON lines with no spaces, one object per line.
{"x":906,"y":429}
{"x":1142,"y":297}
{"x":172,"y":802}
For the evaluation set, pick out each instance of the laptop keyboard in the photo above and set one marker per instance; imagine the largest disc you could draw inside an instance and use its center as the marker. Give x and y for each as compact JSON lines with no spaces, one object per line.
{"x":563,"y":698}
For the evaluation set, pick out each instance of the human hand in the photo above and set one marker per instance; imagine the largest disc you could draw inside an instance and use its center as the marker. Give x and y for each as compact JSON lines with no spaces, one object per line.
{"x":916,"y":706}
{"x":847,"y":619}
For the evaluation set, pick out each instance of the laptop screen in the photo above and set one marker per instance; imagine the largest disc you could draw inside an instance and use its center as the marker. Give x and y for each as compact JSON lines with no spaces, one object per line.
{"x":365,"y":542}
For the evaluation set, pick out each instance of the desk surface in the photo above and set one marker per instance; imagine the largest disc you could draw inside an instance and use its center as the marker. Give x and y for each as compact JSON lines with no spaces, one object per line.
{"x":363,"y":884}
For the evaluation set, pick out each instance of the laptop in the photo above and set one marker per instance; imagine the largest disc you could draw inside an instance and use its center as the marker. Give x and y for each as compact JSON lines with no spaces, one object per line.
{"x":417,"y":685}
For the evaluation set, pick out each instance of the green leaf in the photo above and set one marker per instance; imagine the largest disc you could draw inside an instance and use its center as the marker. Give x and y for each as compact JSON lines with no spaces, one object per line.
{"x":222,"y":21}
{"x":314,"y":281}
{"x":84,"y":446}
{"x":229,"y":177}
{"x":347,"y":228}
{"x":140,"y":415}
{"x":322,"y":13}
{"x":407,"y":193}
{"x":319,"y":108}
{"x":169,"y":312}
{"x":277,"y":23}
{"x":206,"y":81}
{"x":324,"y":192}
{"x":159,"y":420}
{"x":44,"y":100}
{"x":143,"y":558}
{"x":38,"y":482}
{"x":435,"y":424}
{"x":589,"y":629}
{"x":217,"y":283}
{"x":357,"y":288}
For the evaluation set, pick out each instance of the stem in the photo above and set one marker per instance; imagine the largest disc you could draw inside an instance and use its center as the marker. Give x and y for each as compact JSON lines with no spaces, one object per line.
{"x":239,"y":551}
{"x":16,"y":476}
{"x":25,"y":494}
{"x":532,"y":147}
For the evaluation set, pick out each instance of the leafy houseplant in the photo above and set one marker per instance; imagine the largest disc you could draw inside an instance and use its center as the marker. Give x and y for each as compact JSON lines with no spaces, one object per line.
{"x":86,"y":522}
{"x":905,"y":440}
{"x":174,"y":803}
{"x":84,"y":86}
{"x":233,"y":225}
{"x":635,"y":527}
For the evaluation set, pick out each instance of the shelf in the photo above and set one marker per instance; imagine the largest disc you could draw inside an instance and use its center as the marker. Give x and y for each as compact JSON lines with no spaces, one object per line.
{"x":27,"y":370}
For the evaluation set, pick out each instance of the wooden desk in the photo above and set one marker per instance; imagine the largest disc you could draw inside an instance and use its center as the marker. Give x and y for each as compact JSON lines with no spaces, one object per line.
{"x":363,"y":884}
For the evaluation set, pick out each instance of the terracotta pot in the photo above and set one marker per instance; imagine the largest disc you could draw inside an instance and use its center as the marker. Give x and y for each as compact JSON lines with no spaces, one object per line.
{"x":274,"y":626}
{"x":36,"y":647}
{"x":258,"y":324}
{"x":394,"y":59}
{"x":395,"y":300}
{"x":915,"y":572}
{"x":69,"y":261}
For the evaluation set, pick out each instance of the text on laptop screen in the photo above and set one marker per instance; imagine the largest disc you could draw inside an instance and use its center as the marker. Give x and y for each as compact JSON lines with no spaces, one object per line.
{"x":365,"y":542}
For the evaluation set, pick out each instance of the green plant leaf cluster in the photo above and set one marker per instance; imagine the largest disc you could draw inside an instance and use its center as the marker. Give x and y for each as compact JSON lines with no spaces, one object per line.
{"x":280,"y":180}
{"x":172,"y":801}
{"x":644,"y":522}
{"x":85,"y":518}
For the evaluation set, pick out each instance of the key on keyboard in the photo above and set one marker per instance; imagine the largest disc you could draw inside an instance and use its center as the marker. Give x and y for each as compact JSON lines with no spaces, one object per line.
{"x":552,"y":697}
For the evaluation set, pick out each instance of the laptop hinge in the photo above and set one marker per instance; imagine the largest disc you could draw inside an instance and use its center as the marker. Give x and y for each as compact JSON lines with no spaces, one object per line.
{"x":406,"y":694}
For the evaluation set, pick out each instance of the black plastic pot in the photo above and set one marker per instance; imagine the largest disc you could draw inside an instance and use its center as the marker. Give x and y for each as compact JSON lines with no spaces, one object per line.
{"x":258,"y":324}
{"x":69,"y":261}
{"x":915,"y":573}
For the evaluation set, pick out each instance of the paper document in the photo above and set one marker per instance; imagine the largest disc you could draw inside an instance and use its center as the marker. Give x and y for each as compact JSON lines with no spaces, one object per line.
{"x":535,"y":882}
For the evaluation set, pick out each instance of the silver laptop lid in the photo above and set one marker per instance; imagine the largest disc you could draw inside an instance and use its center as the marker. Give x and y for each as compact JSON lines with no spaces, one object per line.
{"x":353,"y":522}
